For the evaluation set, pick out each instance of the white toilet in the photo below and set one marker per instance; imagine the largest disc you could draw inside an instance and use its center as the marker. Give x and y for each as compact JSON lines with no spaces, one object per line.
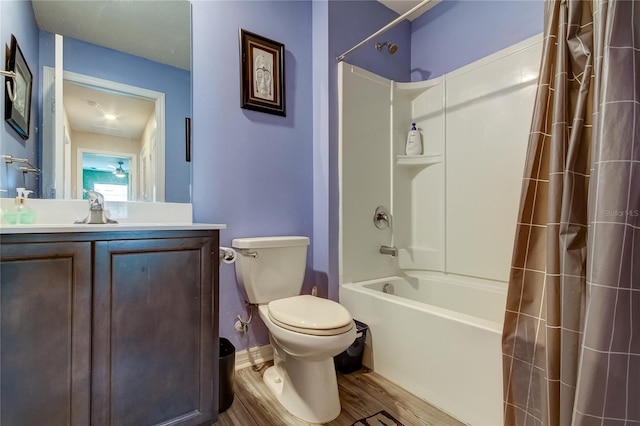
{"x":306,"y":332}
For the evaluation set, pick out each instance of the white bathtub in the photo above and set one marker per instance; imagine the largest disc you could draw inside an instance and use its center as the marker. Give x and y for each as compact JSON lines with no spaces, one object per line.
{"x":437,"y":336}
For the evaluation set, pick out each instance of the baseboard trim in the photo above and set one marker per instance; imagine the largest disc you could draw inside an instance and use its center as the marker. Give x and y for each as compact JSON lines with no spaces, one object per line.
{"x":253,"y":356}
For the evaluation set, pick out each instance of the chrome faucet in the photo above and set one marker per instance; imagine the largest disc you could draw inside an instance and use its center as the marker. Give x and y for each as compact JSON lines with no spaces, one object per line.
{"x":392,"y":251}
{"x":96,"y":210}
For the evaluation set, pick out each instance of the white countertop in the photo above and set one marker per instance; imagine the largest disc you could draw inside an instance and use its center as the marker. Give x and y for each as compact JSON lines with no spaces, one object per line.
{"x":66,"y":228}
{"x":58,"y":216}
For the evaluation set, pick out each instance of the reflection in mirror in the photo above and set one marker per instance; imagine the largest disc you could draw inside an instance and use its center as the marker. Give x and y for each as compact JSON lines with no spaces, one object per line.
{"x":109,"y":130}
{"x":115,"y":183}
{"x":114,"y":122}
{"x":121,"y":45}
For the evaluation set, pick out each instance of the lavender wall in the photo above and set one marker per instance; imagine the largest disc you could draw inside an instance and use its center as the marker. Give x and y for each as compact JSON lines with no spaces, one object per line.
{"x":16,"y":17}
{"x":350,"y":22}
{"x":324,"y":224}
{"x":457,"y":32}
{"x":252,"y":171}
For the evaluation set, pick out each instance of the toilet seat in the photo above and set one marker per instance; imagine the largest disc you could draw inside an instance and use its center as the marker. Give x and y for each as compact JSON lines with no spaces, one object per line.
{"x":310,"y":315}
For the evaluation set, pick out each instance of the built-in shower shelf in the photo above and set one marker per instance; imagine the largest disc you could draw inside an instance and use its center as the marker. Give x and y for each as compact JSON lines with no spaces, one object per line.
{"x":418,"y":160}
{"x":414,"y":89}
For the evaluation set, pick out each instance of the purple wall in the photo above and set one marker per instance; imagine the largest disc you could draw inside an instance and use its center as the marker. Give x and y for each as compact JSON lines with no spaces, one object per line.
{"x":457,"y":32}
{"x":324,"y":231}
{"x":350,"y":22}
{"x":252,"y":171}
{"x":17,"y":18}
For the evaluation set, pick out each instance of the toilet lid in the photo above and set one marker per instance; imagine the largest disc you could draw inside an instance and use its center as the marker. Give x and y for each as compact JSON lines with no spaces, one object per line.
{"x":310,"y":315}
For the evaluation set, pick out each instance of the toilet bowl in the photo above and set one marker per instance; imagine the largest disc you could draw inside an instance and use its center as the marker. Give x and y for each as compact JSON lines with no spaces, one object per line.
{"x":303,"y":376}
{"x":305,"y":331}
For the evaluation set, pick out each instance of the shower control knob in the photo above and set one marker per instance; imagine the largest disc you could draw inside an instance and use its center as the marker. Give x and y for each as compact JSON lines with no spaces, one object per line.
{"x":382,"y":218}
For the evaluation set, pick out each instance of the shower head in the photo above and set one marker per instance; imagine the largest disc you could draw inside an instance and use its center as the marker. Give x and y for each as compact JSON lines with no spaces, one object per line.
{"x":391,"y":48}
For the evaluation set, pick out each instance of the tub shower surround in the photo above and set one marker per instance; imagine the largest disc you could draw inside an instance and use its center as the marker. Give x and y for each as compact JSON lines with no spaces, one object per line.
{"x":453,"y":216}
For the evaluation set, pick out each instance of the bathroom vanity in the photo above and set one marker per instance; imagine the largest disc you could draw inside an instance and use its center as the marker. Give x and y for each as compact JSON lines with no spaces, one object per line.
{"x":109,"y":324}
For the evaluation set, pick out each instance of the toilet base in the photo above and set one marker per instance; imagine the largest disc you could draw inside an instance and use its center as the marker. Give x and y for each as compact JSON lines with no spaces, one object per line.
{"x":307,"y":389}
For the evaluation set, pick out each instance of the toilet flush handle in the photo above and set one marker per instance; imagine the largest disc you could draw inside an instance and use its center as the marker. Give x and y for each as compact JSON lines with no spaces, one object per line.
{"x":247,"y":253}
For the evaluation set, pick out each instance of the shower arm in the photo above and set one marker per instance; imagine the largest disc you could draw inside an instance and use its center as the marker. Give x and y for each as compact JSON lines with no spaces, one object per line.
{"x":382,"y":30}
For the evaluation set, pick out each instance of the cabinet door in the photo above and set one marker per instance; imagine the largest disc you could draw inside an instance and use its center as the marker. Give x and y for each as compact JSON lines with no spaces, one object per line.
{"x":153,"y":335}
{"x":45,"y":326}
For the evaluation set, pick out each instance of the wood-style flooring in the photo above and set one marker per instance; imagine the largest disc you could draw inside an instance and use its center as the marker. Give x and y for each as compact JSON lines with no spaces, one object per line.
{"x":362,"y":394}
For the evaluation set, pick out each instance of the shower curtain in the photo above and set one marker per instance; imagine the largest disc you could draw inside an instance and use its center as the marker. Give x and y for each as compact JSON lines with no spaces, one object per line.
{"x":571,"y":353}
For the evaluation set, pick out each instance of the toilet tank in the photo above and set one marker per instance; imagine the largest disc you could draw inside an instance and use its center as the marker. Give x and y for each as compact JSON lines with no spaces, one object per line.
{"x":270,"y":268}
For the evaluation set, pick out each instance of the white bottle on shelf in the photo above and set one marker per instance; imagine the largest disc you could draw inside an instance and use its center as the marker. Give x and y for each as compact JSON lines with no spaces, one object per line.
{"x":414,"y":141}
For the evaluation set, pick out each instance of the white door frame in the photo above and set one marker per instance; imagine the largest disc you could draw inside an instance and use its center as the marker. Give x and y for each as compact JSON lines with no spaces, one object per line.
{"x":133,"y":173}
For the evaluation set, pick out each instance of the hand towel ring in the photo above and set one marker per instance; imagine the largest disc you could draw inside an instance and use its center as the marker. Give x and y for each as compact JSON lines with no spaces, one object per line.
{"x":11,"y":90}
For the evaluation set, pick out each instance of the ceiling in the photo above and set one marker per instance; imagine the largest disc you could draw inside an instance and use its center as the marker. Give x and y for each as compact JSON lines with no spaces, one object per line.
{"x":157,"y":30}
{"x":403,"y":6}
{"x":94,"y":111}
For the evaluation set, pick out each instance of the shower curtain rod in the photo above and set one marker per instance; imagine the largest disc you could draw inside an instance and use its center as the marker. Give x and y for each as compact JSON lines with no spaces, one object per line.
{"x":382,"y":30}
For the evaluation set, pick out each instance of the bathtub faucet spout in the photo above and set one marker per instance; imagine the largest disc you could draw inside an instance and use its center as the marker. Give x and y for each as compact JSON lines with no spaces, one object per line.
{"x":392,"y":251}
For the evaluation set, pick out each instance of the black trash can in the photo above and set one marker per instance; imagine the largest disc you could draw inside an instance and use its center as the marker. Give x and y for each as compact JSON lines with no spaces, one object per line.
{"x":226,"y":374}
{"x":351,"y":359}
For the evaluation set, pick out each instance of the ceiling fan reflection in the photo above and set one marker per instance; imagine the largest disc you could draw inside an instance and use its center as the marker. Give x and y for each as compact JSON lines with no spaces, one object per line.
{"x":119,"y":172}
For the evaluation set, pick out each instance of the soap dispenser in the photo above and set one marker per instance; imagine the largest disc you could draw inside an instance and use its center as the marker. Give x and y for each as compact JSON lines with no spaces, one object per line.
{"x":27,"y":215}
{"x":414,"y":141}
{"x":20,"y":213}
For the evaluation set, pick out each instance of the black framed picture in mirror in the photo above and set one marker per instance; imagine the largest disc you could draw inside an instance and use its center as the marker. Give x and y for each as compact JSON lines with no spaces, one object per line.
{"x":262,"y":70}
{"x":17,"y":106}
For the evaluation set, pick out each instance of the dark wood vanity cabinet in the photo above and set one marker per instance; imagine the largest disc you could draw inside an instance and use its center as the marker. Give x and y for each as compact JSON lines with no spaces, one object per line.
{"x":109,"y":328}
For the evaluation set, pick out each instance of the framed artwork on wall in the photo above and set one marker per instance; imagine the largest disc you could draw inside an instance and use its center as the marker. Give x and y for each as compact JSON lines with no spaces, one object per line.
{"x":17,"y":105}
{"x":262,"y":74}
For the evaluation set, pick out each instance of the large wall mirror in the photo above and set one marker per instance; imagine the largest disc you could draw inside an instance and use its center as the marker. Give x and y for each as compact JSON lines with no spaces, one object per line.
{"x":116,"y":89}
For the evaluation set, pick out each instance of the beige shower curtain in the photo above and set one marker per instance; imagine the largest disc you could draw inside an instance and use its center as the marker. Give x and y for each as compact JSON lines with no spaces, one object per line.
{"x":571,"y":353}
